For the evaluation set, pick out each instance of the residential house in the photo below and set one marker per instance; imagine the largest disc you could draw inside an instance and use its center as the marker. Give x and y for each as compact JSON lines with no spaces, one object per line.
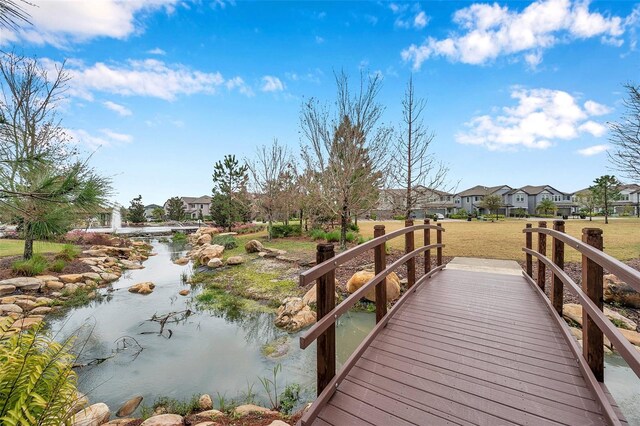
{"x":529,"y":197}
{"x":629,"y":201}
{"x":428,"y":202}
{"x":195,"y":207}
{"x":470,"y":199}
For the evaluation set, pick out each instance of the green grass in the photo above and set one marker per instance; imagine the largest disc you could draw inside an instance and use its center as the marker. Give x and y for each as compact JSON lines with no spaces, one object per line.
{"x":28,"y":268}
{"x":16,"y":247}
{"x":504,"y":239}
{"x":68,"y":252}
{"x":57,"y":265}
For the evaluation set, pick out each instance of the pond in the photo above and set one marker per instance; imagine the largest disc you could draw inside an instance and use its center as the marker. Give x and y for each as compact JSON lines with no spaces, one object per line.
{"x":213,"y":352}
{"x":208,"y":352}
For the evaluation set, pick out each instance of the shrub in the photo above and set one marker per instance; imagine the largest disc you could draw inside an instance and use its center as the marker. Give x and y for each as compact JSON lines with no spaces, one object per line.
{"x":36,"y":377}
{"x":333,"y":236}
{"x":317,"y":234}
{"x":176,"y":406}
{"x":28,"y":268}
{"x":362,"y":240}
{"x":228,"y":241}
{"x":399,"y":217}
{"x":373,"y":216}
{"x":351,"y":237}
{"x":353,"y":227}
{"x":68,"y":252}
{"x":247,"y":228}
{"x":289,"y":398}
{"x":57,"y":265}
{"x":179,"y":237}
{"x":281,"y":231}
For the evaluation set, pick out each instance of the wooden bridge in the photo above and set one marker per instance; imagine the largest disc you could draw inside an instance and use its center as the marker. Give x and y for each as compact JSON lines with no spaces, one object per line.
{"x":479,"y":345}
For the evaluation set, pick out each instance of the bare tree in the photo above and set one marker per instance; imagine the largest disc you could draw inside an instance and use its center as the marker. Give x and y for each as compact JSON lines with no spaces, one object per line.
{"x":625,"y":136}
{"x":346,"y":149}
{"x":587,"y":202}
{"x":12,"y":13}
{"x":267,"y":171}
{"x":416,"y":169}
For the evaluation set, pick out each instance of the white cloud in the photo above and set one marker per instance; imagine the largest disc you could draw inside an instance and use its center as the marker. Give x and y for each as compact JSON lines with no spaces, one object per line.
{"x":120,"y":109}
{"x":61,"y":22}
{"x":319,"y":40}
{"x":156,"y":51}
{"x":594,"y":108}
{"x":107,"y":138}
{"x":540,"y":118}
{"x":421,"y":20}
{"x":149,"y":77}
{"x":489,"y":31}
{"x":271,"y":84}
{"x":593,"y":150}
{"x":239,"y":84}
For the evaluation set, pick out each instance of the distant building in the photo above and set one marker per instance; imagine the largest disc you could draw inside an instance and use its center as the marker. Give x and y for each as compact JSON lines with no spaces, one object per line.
{"x":148,"y":210}
{"x":428,"y":202}
{"x":195,"y":206}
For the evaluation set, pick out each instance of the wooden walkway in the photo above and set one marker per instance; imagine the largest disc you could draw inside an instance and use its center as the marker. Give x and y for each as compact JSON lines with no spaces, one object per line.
{"x":468,"y":348}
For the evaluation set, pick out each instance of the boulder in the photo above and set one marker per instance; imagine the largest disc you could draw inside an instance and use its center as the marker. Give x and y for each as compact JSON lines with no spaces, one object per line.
{"x":142,"y":288}
{"x":242,"y":410}
{"x":208,"y":230}
{"x":129,"y":407}
{"x":181,"y":261}
{"x":7,"y":289}
{"x":94,"y":415}
{"x":309,"y":297}
{"x":26,"y":323}
{"x":92,"y":276}
{"x":109,"y":277}
{"x":204,"y":417}
{"x":253,"y":246}
{"x":164,"y":420}
{"x":79,"y":403}
{"x":95,"y":253}
{"x":210,"y":252}
{"x":127,"y":264}
{"x":215,"y":263}
{"x":71,"y":278}
{"x":203,"y":239}
{"x":573,"y":312}
{"x":360,"y":278}
{"x":235,"y":260}
{"x":54,"y":285}
{"x":71,"y":288}
{"x":620,"y":320}
{"x":278,"y":423}
{"x":24,"y":283}
{"x":632,"y":336}
{"x":11,"y":307}
{"x":26,"y":304}
{"x":41,"y":310}
{"x":205,"y":402}
{"x":617,"y":291}
{"x":294,"y":315}
{"x":47,"y":278}
{"x":184,"y":292}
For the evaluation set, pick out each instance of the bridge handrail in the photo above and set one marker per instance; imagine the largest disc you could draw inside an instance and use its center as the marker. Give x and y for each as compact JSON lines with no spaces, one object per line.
{"x":319,"y":270}
{"x":610,"y":263}
{"x":332,"y":316}
{"x":622,"y":345}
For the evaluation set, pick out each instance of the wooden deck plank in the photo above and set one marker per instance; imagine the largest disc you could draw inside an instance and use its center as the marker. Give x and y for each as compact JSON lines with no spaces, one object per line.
{"x":446,"y":358}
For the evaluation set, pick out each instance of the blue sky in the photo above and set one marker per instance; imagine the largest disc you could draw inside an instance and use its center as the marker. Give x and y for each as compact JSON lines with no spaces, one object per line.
{"x":518,"y":93}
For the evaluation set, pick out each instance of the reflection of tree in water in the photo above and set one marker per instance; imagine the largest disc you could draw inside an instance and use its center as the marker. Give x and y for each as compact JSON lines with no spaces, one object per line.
{"x":177,"y":250}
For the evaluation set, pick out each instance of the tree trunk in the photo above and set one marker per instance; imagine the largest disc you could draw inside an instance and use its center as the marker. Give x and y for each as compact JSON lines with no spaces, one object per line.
{"x":28,"y":243}
{"x":344,"y":220}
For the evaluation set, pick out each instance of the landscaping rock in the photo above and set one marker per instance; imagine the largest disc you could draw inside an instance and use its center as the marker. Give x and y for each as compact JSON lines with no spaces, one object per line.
{"x":54,"y":285}
{"x":235,"y":260}
{"x":142,"y":288}
{"x":122,"y":422}
{"x":26,"y":304}
{"x":253,"y":246}
{"x":632,"y":336}
{"x":164,"y":420}
{"x":294,"y":315}
{"x":41,"y":310}
{"x":250,"y":408}
{"x":617,"y":291}
{"x":203,"y":239}
{"x":278,"y":423}
{"x":92,"y":276}
{"x":204,"y":416}
{"x":127,"y":264}
{"x":184,"y":292}
{"x":210,"y":252}
{"x":181,"y":261}
{"x":79,"y":403}
{"x":71,"y":288}
{"x":94,"y":415}
{"x":309,"y":297}
{"x":109,"y":277}
{"x":24,"y":283}
{"x":47,"y":278}
{"x":205,"y":402}
{"x":7,"y":289}
{"x":26,"y":323}
{"x":215,"y":263}
{"x":620,"y":320}
{"x":573,"y":312}
{"x":360,"y":278}
{"x":71,"y":278}
{"x":11,"y":307}
{"x":95,"y":253}
{"x":129,"y":407}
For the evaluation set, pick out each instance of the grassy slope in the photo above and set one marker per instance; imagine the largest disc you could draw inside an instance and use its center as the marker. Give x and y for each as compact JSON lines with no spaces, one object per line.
{"x":16,"y":247}
{"x":504,"y":239}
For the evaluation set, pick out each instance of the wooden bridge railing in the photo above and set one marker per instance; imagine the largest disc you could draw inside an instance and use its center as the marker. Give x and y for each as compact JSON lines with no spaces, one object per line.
{"x":328,"y":313}
{"x":594,"y":323}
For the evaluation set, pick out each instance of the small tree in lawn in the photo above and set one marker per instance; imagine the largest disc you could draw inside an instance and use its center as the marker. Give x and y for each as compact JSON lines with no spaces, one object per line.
{"x":587,"y":202}
{"x":605,"y":190}
{"x":175,"y":209}
{"x":492,"y":203}
{"x":267,"y":172}
{"x":135,"y":212}
{"x":625,"y":136}
{"x":229,"y":203}
{"x":546,"y":207}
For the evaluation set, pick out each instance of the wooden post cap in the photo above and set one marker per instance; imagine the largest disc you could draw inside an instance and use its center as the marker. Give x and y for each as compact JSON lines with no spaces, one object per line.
{"x":558,"y":222}
{"x":542,"y":224}
{"x":591,"y":231}
{"x":324,"y":247}
{"x":378,"y":227}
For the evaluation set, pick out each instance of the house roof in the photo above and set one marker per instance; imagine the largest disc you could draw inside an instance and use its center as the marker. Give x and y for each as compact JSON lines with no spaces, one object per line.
{"x":481,"y":190}
{"x":205,"y":199}
{"x":153,"y":206}
{"x":535,"y":189}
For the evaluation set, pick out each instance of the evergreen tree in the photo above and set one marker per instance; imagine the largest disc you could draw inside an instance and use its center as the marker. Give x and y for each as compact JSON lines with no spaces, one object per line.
{"x":135,"y":212}
{"x":230,"y":198}
{"x":175,"y":209}
{"x":605,"y":190}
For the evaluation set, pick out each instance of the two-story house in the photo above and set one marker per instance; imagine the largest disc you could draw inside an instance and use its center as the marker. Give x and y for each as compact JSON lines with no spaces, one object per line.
{"x":529,"y":198}
{"x":629,"y":201}
{"x":470,"y":199}
{"x":428,"y":201}
{"x":195,"y":207}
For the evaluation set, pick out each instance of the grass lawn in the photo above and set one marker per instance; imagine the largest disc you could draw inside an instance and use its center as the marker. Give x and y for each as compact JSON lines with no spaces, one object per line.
{"x":16,"y":247}
{"x":504,"y":239}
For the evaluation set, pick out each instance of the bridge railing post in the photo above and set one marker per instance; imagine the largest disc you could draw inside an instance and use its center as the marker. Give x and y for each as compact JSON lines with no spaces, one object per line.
{"x":592,"y":284}
{"x":427,"y":241}
{"x":326,"y":301}
{"x":542,"y":249}
{"x":557,"y":251}
{"x":409,"y":246}
{"x":529,"y":244}
{"x":380,"y":259}
{"x":439,"y":241}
